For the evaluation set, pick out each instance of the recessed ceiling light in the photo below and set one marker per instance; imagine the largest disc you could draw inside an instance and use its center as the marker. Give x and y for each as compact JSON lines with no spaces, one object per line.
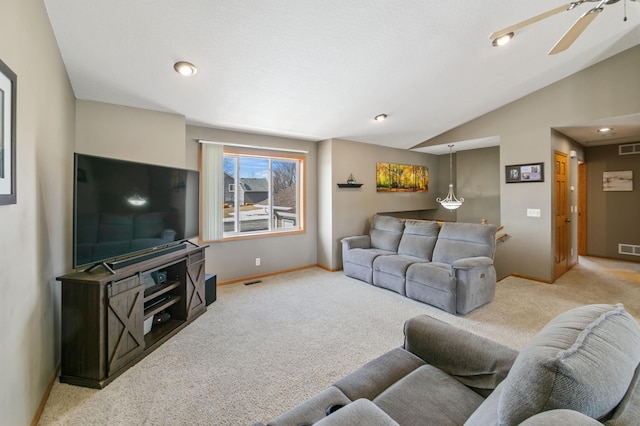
{"x":380,"y":117}
{"x":502,"y":40}
{"x":605,"y":130}
{"x":185,"y":68}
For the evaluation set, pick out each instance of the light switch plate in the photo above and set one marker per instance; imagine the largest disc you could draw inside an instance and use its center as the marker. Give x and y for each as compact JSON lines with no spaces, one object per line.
{"x":533,"y":212}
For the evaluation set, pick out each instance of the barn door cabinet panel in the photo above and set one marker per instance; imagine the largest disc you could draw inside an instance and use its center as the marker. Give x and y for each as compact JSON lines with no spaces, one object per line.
{"x":104,"y":313}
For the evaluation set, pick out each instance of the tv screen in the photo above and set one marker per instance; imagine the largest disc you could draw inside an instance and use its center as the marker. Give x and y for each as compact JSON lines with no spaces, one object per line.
{"x":121,"y":208}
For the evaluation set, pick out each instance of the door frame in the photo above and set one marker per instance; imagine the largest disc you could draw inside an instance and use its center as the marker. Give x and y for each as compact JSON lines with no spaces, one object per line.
{"x":561,"y":244}
{"x":582,"y":208}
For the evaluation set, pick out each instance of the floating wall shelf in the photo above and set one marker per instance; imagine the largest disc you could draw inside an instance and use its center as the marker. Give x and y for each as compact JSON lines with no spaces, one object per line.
{"x":349,"y":185}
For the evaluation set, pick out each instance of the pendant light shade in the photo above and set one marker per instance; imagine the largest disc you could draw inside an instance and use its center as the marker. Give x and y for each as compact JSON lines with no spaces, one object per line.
{"x":450,"y":202}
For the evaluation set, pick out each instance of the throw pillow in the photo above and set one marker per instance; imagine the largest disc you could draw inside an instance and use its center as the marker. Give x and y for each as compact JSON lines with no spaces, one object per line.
{"x":583,"y":360}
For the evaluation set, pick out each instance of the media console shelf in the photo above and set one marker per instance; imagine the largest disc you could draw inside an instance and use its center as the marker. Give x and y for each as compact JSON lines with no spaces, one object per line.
{"x":103,"y":313}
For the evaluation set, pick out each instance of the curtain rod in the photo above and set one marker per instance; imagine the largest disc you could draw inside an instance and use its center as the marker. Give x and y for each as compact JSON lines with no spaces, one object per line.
{"x":238,"y":145}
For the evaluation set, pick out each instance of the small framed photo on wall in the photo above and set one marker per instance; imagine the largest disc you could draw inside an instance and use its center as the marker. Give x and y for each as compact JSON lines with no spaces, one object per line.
{"x":7,"y":135}
{"x":520,"y":173}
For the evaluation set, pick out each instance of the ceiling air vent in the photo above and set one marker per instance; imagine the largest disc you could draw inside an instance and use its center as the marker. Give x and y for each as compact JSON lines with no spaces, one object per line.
{"x":632,"y":148}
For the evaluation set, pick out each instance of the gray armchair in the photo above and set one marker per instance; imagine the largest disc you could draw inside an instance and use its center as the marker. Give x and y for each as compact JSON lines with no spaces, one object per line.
{"x":582,"y":368}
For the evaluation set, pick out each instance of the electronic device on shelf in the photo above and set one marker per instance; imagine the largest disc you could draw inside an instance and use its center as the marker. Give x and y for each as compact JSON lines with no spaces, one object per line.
{"x":124,"y":208}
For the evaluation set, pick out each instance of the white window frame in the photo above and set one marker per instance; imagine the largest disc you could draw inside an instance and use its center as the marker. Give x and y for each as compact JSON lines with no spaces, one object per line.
{"x":214,"y":217}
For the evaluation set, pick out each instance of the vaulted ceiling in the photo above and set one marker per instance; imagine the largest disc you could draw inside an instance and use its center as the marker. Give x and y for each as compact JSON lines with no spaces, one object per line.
{"x":319,"y":69}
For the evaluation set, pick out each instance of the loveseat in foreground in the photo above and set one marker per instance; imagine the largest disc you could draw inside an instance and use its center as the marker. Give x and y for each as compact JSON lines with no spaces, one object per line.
{"x":449,"y":267}
{"x":580,"y":369}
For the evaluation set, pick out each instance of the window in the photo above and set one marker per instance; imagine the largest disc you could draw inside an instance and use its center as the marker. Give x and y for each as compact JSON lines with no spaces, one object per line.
{"x":262,"y":194}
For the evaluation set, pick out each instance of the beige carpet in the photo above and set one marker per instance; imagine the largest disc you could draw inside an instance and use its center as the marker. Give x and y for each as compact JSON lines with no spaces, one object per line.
{"x":261,"y":349}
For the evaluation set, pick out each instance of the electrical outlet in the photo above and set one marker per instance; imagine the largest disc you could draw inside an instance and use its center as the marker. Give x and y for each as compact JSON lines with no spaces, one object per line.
{"x":257,"y":261}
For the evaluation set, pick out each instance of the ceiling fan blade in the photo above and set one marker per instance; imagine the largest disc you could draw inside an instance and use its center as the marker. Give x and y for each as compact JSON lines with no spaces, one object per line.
{"x":529,"y":21}
{"x":574,"y":32}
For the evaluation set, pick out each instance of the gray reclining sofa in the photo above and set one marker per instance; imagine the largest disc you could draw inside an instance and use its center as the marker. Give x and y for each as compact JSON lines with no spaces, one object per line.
{"x":582,"y":368}
{"x":449,"y":267}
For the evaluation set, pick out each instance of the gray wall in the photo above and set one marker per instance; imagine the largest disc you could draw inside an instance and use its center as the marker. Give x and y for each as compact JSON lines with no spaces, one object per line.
{"x":608,"y":89}
{"x":35,"y":245}
{"x":132,"y":134}
{"x":347,"y":211}
{"x":476,"y":178}
{"x":478,"y":182}
{"x":231,"y":260}
{"x":618,"y":210}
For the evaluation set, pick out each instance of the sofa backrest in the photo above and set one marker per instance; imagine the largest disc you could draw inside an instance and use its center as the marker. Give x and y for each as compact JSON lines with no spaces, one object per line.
{"x":583,"y":360}
{"x":386,"y":232}
{"x":419,"y":239}
{"x":462,"y":240}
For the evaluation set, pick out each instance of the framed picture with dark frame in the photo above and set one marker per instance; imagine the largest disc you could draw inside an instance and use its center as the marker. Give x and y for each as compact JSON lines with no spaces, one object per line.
{"x":7,"y":135}
{"x":519,"y":173}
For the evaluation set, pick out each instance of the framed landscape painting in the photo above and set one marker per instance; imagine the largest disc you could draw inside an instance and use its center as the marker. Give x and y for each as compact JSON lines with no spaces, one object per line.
{"x":617,"y":181}
{"x":7,"y":135}
{"x":391,"y":177}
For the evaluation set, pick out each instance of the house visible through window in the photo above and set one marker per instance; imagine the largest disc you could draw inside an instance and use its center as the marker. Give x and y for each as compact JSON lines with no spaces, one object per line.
{"x":248,"y":192}
{"x":261,"y":194}
{"x":265,"y":197}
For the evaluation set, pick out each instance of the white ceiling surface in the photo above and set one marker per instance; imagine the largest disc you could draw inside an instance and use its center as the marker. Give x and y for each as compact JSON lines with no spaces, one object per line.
{"x":320,"y":69}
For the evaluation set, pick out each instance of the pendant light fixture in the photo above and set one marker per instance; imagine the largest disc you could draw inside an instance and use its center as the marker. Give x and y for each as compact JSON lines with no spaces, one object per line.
{"x":450,"y":202}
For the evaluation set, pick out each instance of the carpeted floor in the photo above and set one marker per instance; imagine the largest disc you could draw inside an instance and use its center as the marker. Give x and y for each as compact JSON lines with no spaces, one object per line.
{"x":261,"y":349}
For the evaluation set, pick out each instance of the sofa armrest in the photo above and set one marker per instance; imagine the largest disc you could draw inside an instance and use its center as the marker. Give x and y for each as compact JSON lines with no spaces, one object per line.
{"x":560,"y":417}
{"x":472,"y":262}
{"x":474,"y":360}
{"x":359,"y":412}
{"x":358,"y":241}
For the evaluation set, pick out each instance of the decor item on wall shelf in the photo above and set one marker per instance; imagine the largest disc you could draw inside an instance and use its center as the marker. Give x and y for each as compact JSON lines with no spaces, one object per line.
{"x":450,"y":202}
{"x":532,"y":172}
{"x":351,"y":183}
{"x":617,"y":181}
{"x":8,"y":81}
{"x":391,"y":177}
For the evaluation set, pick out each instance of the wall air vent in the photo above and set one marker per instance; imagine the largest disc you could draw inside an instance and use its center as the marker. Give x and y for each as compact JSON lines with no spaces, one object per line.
{"x":631,"y":148}
{"x":629,"y":249}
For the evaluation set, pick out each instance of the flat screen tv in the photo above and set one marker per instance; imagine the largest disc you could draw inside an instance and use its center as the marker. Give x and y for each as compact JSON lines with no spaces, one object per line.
{"x":124,"y":208}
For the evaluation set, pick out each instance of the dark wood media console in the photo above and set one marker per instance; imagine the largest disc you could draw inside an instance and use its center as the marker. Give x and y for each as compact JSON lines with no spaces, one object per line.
{"x":103,"y":313}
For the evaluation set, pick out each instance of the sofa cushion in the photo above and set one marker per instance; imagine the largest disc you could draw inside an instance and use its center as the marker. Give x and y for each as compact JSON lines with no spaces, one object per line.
{"x":560,"y":417}
{"x":358,"y":413}
{"x":432,"y":283}
{"x":389,"y":271}
{"x":312,"y":410}
{"x":419,"y":238}
{"x":462,"y":240}
{"x":386,"y":232}
{"x":377,"y":375}
{"x":428,"y":396}
{"x":365,"y":257}
{"x":487,"y":412}
{"x":583,"y":360}
{"x":628,"y":411}
{"x":475,"y":361}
